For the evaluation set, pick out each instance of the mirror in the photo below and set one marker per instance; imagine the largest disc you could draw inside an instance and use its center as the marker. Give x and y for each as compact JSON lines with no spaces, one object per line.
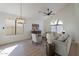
{"x":14,"y":27}
{"x":19,"y":26}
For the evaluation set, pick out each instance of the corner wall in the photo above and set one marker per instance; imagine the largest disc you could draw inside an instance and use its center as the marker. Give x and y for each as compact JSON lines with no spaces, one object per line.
{"x":4,"y":39}
{"x":70,"y":22}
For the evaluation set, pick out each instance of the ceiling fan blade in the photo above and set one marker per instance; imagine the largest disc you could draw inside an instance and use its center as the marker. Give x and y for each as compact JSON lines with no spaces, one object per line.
{"x":52,"y":9}
{"x":53,"y":14}
{"x":40,"y":11}
{"x":45,"y":13}
{"x":48,"y":9}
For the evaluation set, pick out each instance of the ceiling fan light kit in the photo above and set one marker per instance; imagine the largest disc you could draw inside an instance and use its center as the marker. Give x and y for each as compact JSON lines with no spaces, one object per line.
{"x":48,"y":12}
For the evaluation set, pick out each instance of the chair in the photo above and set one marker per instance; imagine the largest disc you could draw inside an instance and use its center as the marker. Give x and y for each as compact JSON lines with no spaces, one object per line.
{"x":61,"y":48}
{"x":51,"y":36}
{"x":36,"y":38}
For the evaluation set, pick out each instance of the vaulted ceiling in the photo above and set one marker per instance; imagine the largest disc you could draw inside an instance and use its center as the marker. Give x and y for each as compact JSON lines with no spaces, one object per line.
{"x":30,"y":10}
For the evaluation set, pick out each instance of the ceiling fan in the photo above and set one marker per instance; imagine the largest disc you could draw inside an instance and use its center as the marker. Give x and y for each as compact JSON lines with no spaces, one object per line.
{"x":48,"y":12}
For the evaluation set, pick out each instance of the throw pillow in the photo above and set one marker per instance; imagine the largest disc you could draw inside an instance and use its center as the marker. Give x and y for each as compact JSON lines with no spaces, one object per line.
{"x":63,"y":37}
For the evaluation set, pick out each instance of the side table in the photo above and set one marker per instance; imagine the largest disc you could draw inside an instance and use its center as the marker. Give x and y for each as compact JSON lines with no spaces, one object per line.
{"x":50,"y":49}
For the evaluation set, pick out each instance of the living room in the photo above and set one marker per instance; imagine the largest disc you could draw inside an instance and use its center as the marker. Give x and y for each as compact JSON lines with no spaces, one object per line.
{"x":16,"y":27}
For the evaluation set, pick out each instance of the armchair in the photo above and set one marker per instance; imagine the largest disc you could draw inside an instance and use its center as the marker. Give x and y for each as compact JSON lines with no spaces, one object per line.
{"x":61,"y":48}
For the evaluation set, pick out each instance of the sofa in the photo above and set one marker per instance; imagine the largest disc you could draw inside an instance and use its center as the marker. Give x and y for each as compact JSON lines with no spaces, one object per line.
{"x":62,"y":47}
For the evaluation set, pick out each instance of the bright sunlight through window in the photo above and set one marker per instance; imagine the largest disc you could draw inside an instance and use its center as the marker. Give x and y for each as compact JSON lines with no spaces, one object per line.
{"x":56,"y":26}
{"x":7,"y":51}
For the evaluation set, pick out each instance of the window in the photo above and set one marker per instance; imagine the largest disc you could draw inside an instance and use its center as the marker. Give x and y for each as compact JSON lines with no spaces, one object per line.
{"x":56,"y":26}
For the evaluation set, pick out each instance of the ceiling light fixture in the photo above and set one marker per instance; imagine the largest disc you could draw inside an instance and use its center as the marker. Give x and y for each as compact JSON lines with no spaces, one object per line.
{"x":20,"y":19}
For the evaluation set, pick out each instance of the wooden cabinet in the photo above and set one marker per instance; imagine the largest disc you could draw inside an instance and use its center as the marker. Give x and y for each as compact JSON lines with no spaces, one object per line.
{"x":50,"y":49}
{"x":36,"y":36}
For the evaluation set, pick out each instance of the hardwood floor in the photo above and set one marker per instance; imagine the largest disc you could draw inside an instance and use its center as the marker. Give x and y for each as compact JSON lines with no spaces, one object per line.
{"x":73,"y":49}
{"x":27,"y":48}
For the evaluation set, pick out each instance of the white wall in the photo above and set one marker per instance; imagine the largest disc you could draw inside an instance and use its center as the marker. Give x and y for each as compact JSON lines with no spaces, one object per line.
{"x":31,"y":15}
{"x":13,"y":38}
{"x":77,"y":21}
{"x":68,"y":16}
{"x":28,"y":25}
{"x":3,"y":18}
{"x":9,"y":38}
